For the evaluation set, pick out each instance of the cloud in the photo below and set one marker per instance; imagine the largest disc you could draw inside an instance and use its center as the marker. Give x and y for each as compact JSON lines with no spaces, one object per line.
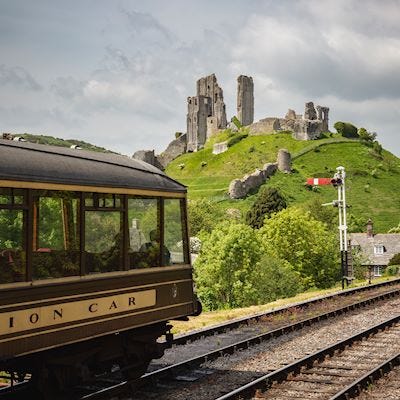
{"x":18,"y":77}
{"x":316,"y":54}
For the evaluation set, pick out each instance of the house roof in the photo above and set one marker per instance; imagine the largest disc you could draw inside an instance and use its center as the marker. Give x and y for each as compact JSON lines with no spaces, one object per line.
{"x":390,"y":241}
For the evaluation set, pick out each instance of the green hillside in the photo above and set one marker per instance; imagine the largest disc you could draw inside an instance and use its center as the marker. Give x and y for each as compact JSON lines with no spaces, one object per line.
{"x":373,"y":189}
{"x":53,"y":141}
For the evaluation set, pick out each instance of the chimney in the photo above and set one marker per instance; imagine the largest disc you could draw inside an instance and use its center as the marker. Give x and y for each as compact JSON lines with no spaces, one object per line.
{"x":370,"y":228}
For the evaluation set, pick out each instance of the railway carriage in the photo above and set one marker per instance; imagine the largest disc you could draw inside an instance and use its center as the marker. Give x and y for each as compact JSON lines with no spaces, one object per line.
{"x":94,"y":262}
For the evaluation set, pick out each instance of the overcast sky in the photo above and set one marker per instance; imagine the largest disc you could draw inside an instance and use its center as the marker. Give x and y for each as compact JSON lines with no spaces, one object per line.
{"x":117,"y":73}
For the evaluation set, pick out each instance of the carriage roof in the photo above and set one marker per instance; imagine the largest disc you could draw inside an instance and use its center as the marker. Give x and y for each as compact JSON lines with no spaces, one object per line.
{"x":79,"y":169}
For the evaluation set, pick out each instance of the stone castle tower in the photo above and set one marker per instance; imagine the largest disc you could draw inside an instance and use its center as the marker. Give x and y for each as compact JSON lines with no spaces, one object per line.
{"x":245,"y":100}
{"x":206,"y":112}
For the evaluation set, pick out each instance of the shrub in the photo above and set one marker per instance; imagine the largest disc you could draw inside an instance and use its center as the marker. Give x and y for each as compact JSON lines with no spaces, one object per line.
{"x":236,"y":139}
{"x":236,"y":122}
{"x":346,"y":129}
{"x":203,"y":215}
{"x":268,"y":201}
{"x":293,"y":235}
{"x":227,"y":268}
{"x":366,"y":136}
{"x":392,"y":270}
{"x":395,"y":260}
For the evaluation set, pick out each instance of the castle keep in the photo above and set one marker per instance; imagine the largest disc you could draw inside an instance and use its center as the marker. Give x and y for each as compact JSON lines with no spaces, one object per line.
{"x":206,"y":112}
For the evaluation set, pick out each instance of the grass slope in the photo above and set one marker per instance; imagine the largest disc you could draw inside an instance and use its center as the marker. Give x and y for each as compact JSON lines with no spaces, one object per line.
{"x":51,"y":140}
{"x":372,"y":182}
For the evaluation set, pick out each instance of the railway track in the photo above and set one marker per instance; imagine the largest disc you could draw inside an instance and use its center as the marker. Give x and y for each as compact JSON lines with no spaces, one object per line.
{"x":195,"y":368}
{"x":337,"y":372}
{"x":114,"y":386}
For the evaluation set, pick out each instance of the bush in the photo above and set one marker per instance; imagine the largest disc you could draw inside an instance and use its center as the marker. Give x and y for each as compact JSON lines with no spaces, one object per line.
{"x":227,"y":268}
{"x":346,"y":129}
{"x":203,"y":215}
{"x":268,"y":201}
{"x":366,"y":136}
{"x":236,"y":139}
{"x":392,"y":270}
{"x":293,"y":235}
{"x":236,"y":122}
{"x":395,"y":260}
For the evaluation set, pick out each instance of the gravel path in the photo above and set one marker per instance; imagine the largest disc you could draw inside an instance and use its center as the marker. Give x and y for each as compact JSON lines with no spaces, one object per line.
{"x":229,"y":372}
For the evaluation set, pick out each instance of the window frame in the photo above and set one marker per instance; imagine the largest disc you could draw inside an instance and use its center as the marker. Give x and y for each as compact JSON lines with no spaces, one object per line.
{"x":28,"y":236}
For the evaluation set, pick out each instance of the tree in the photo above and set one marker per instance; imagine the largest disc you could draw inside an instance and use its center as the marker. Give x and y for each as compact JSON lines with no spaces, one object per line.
{"x":268,"y":201}
{"x":395,"y":260}
{"x":203,"y":215}
{"x":227,"y":269}
{"x":293,"y":235}
{"x":327,"y":215}
{"x":346,"y":129}
{"x":366,"y":136}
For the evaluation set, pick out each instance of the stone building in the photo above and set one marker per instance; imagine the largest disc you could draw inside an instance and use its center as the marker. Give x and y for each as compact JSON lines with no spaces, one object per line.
{"x":245,"y":100}
{"x":206,"y":112}
{"x":376,"y":249}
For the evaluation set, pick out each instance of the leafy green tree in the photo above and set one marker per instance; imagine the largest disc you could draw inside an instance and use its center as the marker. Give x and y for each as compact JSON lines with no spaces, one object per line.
{"x":268,"y":201}
{"x":326,"y":214}
{"x":366,"y":136}
{"x":203,"y":215}
{"x":295,"y":236}
{"x":277,"y":280}
{"x":346,"y":129}
{"x":395,"y":260}
{"x":227,"y":270}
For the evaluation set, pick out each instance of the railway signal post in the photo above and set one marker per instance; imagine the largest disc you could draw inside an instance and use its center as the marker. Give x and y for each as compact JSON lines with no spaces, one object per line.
{"x":338,"y":181}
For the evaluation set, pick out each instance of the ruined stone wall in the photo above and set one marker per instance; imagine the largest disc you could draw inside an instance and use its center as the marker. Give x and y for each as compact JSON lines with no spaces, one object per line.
{"x":208,"y":86}
{"x":265,"y":125}
{"x":199,"y":109}
{"x":309,"y":127}
{"x":245,"y":100}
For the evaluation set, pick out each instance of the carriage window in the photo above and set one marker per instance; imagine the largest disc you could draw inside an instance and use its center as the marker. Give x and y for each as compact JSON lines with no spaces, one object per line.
{"x":55,"y":235}
{"x":12,"y":253}
{"x":174,"y":230}
{"x":144,"y":232}
{"x":103,"y":233}
{"x":10,"y":196}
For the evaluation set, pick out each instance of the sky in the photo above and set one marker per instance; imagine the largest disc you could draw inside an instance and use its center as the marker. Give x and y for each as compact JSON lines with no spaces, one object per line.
{"x":118,"y":73}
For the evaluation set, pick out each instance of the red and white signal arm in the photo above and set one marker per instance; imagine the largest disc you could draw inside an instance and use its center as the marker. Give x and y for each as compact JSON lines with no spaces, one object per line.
{"x":319,"y":181}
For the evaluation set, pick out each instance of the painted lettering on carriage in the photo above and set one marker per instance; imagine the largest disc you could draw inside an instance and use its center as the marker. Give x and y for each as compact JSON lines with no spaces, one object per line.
{"x":74,"y":311}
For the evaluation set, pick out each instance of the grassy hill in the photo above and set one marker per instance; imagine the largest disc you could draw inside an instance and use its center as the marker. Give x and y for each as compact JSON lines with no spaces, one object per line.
{"x":51,"y":140}
{"x":372,"y":179}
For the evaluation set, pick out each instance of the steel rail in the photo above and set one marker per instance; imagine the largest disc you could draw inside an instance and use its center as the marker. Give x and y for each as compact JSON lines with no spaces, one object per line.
{"x":225,"y":326}
{"x":279,"y":375}
{"x":355,"y":387}
{"x":175,"y":369}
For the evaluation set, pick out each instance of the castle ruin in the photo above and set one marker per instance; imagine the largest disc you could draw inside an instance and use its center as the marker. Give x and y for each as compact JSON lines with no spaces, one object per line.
{"x":206,"y":112}
{"x":207,"y":115}
{"x":245,"y":100}
{"x":307,"y":127}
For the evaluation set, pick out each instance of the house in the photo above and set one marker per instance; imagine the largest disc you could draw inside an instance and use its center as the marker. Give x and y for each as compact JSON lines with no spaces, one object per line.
{"x":376,"y":249}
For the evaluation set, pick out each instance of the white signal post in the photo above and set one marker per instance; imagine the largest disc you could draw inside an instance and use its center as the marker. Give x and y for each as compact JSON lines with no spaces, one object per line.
{"x":338,"y":181}
{"x":341,"y":202}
